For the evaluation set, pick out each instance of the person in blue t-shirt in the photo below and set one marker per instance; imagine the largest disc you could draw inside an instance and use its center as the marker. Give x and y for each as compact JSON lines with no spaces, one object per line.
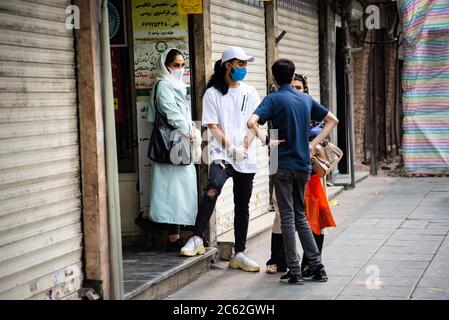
{"x":290,"y":113}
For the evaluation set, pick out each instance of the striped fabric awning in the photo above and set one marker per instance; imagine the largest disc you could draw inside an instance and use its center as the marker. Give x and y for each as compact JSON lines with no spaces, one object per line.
{"x":426,"y":86}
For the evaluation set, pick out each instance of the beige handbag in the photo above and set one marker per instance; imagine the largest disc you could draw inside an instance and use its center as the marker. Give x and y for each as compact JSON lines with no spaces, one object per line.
{"x":326,"y":158}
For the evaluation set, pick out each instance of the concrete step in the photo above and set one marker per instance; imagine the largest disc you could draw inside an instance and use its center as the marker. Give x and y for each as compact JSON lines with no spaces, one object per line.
{"x":333,"y":192}
{"x":345,"y":179}
{"x":258,"y":229}
{"x":156,"y":275}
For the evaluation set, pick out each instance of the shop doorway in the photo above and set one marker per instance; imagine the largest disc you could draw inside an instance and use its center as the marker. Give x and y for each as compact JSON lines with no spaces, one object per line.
{"x":145,"y":261}
{"x":342,"y":137}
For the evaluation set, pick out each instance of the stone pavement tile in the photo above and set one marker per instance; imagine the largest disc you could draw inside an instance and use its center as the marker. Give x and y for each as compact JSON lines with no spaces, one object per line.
{"x":386,"y":215}
{"x":403,"y":256}
{"x":412,"y":224}
{"x":438,"y":224}
{"x":401,"y":240}
{"x":390,"y":222}
{"x":391,"y":209}
{"x":411,"y":200}
{"x":331,"y":256}
{"x":436,"y":199}
{"x":435,"y":280}
{"x":430,"y":212}
{"x":444,"y":249}
{"x":430,"y":294}
{"x":349,"y":250}
{"x":387,"y":281}
{"x":440,"y":263}
{"x":320,"y":297}
{"x":403,"y":249}
{"x":333,"y":265}
{"x":349,"y":271}
{"x":423,"y":233}
{"x":399,"y":265}
{"x":362,"y":235}
{"x":362,"y":222}
{"x":374,"y":229}
{"x":338,"y":280}
{"x":404,"y":242}
{"x":382,"y":291}
{"x":349,"y":297}
{"x":384,"y":270}
{"x":277,"y":291}
{"x":323,"y":288}
{"x":368,"y":244}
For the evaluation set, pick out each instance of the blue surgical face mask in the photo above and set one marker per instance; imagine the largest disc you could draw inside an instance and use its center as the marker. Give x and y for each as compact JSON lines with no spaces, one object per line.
{"x":238,"y":74}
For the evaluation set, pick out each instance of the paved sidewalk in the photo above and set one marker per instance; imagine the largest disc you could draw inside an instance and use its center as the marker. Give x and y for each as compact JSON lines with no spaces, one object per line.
{"x":391,"y":242}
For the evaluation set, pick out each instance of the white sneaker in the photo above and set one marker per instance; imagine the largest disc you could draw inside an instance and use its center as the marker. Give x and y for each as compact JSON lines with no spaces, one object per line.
{"x":241,"y":261}
{"x":193,"y":247}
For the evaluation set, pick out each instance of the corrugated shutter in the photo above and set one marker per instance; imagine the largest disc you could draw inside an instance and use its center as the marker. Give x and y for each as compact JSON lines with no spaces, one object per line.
{"x":301,"y":43}
{"x":243,"y":25}
{"x":40,"y":205}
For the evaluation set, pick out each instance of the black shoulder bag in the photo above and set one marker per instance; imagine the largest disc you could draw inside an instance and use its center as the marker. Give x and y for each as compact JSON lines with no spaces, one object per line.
{"x":167,"y":144}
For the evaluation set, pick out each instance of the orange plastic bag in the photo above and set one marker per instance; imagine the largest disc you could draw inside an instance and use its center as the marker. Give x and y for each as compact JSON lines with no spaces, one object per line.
{"x":318,"y":213}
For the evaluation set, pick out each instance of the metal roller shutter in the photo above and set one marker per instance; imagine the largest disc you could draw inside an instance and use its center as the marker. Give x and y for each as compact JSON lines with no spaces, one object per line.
{"x":301,"y":43}
{"x":243,"y":25}
{"x":40,"y":205}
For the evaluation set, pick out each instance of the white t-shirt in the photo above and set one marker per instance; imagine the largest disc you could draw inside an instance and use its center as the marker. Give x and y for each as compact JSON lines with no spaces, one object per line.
{"x":231,"y":112}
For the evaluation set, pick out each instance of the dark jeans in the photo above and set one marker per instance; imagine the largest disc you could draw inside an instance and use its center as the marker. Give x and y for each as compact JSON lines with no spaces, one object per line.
{"x":290,"y":189}
{"x":243,"y":187}
{"x":319,"y":239}
{"x":278,"y":251}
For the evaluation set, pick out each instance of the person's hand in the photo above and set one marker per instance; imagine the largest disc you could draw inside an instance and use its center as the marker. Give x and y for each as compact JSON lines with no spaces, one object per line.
{"x":197,"y":153}
{"x":237,"y":153}
{"x":275,"y":143}
{"x":197,"y":139}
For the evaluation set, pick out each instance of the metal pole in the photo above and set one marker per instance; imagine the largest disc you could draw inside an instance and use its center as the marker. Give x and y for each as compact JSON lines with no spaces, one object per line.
{"x":111,"y":160}
{"x":349,"y":87}
{"x":372,"y":115}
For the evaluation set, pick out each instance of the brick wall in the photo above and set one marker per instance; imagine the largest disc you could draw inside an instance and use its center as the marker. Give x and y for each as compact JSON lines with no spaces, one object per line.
{"x":362,"y":127}
{"x":390,"y":78}
{"x":361,"y":105}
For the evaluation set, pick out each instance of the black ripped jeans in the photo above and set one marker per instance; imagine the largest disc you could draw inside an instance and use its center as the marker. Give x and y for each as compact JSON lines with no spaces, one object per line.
{"x":243,"y":187}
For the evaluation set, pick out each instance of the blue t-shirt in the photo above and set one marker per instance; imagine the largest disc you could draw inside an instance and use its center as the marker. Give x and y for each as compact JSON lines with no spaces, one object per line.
{"x":290,"y":112}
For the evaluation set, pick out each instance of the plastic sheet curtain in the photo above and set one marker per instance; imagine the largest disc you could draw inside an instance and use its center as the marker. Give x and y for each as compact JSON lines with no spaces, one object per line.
{"x":426,"y":86}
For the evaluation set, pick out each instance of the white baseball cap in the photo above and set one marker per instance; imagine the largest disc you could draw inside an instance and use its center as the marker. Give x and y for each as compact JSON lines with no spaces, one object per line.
{"x":235,"y":53}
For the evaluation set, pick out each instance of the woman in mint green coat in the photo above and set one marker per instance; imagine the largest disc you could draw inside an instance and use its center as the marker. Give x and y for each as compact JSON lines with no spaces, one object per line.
{"x":173,"y":192}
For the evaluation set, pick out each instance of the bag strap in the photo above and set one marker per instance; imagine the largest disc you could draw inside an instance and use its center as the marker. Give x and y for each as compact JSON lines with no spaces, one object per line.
{"x":155,"y":99}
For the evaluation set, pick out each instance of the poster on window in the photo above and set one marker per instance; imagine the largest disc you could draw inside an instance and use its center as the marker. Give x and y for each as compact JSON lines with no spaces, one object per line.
{"x":157,"y":26}
{"x":146,"y":55}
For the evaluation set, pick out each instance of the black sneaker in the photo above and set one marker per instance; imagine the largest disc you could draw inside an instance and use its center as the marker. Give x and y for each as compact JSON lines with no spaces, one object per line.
{"x":307,"y":272}
{"x":175,"y":246}
{"x":318,"y":275}
{"x":292,"y":278}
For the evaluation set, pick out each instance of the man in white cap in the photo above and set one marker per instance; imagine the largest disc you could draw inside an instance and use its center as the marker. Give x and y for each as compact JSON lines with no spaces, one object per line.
{"x":227,"y":105}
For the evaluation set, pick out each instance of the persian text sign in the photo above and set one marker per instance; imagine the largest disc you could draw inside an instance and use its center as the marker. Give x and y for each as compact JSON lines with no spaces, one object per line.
{"x":157,"y":19}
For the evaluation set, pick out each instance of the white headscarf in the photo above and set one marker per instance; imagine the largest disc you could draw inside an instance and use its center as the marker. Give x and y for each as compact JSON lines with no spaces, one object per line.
{"x":164,"y":74}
